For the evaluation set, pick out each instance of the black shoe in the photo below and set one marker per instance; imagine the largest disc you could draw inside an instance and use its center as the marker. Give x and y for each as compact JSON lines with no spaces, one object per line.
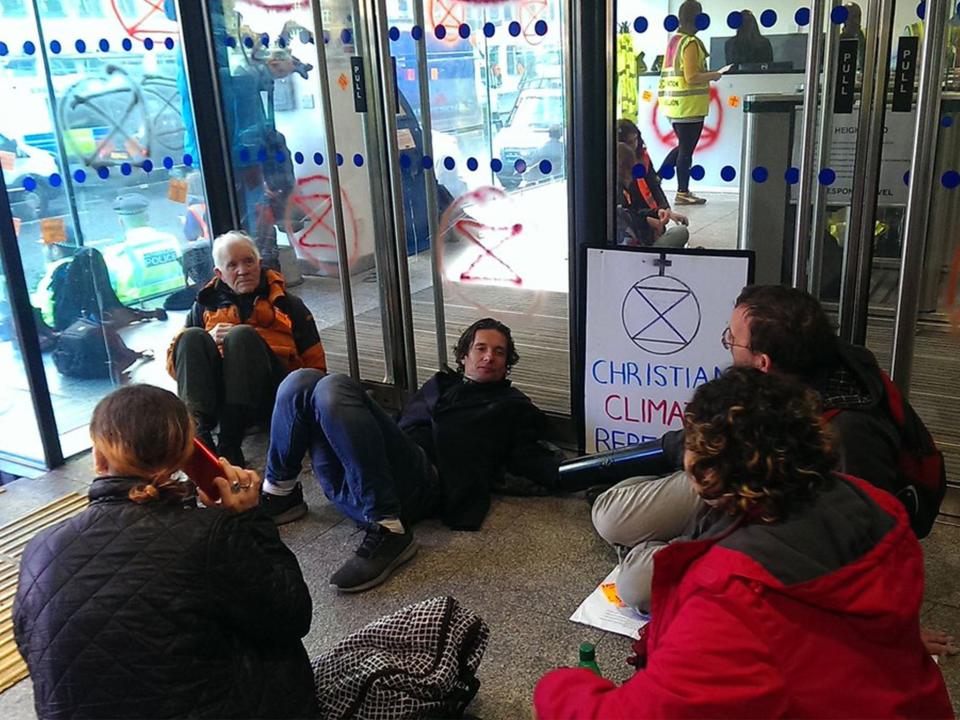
{"x":283,"y":509}
{"x":380,"y":553}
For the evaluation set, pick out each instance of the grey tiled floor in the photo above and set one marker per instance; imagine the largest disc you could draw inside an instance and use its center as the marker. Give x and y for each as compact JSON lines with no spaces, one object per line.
{"x":525,"y":572}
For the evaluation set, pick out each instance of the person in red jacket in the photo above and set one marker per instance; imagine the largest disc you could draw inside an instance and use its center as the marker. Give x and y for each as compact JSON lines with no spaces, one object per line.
{"x":798,"y":594}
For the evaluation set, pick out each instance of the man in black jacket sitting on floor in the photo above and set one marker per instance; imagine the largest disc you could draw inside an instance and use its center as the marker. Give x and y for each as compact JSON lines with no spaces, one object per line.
{"x":453,"y":442}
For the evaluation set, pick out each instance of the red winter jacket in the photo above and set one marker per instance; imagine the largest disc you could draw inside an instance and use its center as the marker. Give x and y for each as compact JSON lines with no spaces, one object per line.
{"x":815,"y":616}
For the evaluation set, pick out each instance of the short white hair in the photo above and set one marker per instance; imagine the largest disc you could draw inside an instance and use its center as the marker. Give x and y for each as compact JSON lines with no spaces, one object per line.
{"x":228,"y":239}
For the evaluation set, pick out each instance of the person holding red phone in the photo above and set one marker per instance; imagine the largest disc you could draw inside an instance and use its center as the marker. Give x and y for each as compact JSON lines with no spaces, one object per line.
{"x":144,"y":605}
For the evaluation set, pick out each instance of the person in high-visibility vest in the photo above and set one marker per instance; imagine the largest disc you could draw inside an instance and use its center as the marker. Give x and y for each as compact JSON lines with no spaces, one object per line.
{"x":626,"y":74}
{"x":684,"y":96}
{"x":952,"y":60}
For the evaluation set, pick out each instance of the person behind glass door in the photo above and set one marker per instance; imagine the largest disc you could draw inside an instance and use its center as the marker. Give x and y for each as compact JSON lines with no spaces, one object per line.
{"x":853,"y":30}
{"x":748,"y":46}
{"x":684,"y":96}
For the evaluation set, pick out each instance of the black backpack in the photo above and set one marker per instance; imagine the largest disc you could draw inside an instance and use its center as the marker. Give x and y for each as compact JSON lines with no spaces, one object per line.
{"x":921,"y":470}
{"x":90,"y":350}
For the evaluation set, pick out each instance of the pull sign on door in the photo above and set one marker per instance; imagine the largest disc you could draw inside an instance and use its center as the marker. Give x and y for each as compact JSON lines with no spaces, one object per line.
{"x":359,"y":84}
{"x":908,"y":49}
{"x":846,"y":76}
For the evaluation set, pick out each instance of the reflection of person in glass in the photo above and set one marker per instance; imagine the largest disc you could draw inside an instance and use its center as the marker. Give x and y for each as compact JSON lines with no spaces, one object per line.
{"x":748,"y":46}
{"x":853,"y":30}
{"x":952,"y":60}
{"x":684,"y":96}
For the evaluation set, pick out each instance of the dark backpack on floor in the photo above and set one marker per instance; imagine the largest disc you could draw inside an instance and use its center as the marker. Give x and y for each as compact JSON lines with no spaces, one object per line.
{"x":419,"y":662}
{"x":90,"y":350}
{"x":921,"y":470}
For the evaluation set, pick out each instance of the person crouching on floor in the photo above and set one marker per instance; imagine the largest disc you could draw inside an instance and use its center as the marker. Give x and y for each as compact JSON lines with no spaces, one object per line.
{"x":453,"y":443}
{"x":145,"y":606}
{"x":798,"y":594}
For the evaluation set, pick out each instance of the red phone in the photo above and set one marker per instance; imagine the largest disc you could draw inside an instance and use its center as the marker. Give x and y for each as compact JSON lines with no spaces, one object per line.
{"x":202,"y":467}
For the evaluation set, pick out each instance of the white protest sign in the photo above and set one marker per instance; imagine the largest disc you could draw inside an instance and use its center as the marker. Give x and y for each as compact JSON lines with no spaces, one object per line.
{"x":654,"y":321}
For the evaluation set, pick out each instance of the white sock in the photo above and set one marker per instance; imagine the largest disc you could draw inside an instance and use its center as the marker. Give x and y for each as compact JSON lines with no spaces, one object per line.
{"x":279,"y":487}
{"x":393,"y":525}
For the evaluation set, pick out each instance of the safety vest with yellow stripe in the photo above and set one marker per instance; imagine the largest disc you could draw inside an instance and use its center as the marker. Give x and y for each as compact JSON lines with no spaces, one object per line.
{"x":679,"y":99}
{"x":916,"y":29}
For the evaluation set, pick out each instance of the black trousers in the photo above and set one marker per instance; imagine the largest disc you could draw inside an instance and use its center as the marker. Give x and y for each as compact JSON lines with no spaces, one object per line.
{"x":237,"y":389}
{"x":681,"y":157}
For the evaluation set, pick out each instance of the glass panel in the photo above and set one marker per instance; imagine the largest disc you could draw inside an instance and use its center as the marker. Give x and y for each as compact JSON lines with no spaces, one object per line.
{"x":271,"y":95}
{"x":102,"y":168}
{"x":498,"y":110}
{"x":19,"y":432}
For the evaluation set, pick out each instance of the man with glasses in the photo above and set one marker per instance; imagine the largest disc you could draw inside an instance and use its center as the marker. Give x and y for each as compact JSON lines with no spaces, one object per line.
{"x":776,"y":330}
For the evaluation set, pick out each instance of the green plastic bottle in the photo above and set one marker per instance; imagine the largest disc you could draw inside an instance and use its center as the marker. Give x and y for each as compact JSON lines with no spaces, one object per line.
{"x":588,"y":657}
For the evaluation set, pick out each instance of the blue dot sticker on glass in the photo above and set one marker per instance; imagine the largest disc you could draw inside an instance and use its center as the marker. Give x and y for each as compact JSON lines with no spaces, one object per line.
{"x":298,"y":157}
{"x":168,"y":43}
{"x":244,"y":155}
{"x":670,"y":23}
{"x":318,"y":158}
{"x":697,"y":172}
{"x":839,"y":15}
{"x":950,"y":179}
{"x":827,"y":176}
{"x":416,"y":32}
{"x":282,"y":42}
{"x":339,"y":159}
{"x":346,"y":36}
{"x":168,"y":162}
{"x":248,"y":42}
{"x":81,"y":46}
{"x":906,"y":178}
{"x":147,"y":165}
{"x":946,"y":121}
{"x":103,"y":173}
{"x":735,"y":20}
{"x":394,"y":34}
{"x":472,"y":164}
{"x":188,"y":159}
{"x":148,"y":43}
{"x":463,"y":31}
{"x":768,"y":18}
{"x":262,"y":155}
{"x":667,"y":172}
{"x":449,"y":163}
{"x":802,"y":16}
{"x":358,"y":159}
{"x":489,"y":29}
{"x":639,"y":171}
{"x":104,"y":45}
{"x":126,"y":168}
{"x":520,"y":166}
{"x":760,"y":174}
{"x":439,"y":32}
{"x":230,"y":41}
{"x":280,"y":157}
{"x":728,"y":173}
{"x":55,"y":47}
{"x":640,"y":24}
{"x":496,"y":165}
{"x":792,"y":175}
{"x":127,"y":44}
{"x":55,"y":180}
{"x":265,"y":40}
{"x":922,"y":10}
{"x":405,"y":161}
{"x":4,"y":50}
{"x":702,"y":21}
{"x":540,"y":27}
{"x":29,"y":184}
{"x":514,"y":29}
{"x":326,"y":37}
{"x":427,"y":162}
{"x":80,"y":176}
{"x":546,"y":167}
{"x":29,"y":48}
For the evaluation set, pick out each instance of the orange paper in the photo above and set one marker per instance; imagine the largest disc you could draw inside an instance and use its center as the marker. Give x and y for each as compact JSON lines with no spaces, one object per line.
{"x":53,"y":230}
{"x":177,"y":190}
{"x":609,"y":591}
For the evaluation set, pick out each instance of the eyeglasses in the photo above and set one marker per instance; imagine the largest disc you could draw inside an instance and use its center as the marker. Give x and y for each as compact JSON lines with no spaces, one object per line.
{"x":727,"y":340}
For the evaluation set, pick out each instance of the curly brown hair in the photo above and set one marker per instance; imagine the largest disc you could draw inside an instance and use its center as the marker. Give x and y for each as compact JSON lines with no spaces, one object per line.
{"x":462,"y":348}
{"x":144,"y":432}
{"x":761,"y":437}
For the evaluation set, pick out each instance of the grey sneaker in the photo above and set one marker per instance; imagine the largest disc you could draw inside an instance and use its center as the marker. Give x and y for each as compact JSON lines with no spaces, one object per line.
{"x":688,"y":198}
{"x":284,"y":508}
{"x":380,"y":553}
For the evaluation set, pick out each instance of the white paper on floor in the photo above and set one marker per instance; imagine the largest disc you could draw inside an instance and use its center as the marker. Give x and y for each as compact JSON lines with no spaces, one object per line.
{"x":600,"y":611}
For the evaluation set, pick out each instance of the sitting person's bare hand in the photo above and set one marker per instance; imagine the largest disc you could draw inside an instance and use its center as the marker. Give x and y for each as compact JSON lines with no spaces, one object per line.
{"x":937,"y":642}
{"x":239,"y":489}
{"x":219,"y":331}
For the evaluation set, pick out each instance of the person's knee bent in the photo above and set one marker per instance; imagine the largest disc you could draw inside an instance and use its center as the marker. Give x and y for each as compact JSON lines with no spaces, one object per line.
{"x":607,"y":514}
{"x":634,"y":586}
{"x":332,"y":390}
{"x":297,"y":387}
{"x":192,"y":341}
{"x":241,"y":337}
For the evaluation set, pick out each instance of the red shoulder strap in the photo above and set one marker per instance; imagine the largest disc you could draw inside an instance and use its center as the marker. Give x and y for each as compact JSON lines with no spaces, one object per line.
{"x":894,"y":399}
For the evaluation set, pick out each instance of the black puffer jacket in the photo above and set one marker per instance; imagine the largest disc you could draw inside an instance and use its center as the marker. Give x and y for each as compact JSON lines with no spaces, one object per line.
{"x":157,"y":610}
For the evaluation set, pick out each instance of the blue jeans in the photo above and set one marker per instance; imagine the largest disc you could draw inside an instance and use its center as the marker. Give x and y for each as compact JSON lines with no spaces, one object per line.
{"x":365,"y":464}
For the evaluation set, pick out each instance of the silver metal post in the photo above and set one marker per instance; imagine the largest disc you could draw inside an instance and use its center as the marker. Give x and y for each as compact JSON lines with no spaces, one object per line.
{"x":343,"y":257}
{"x":918,"y":197}
{"x":858,"y":251}
{"x":430,"y":182}
{"x":808,"y":128}
{"x":824,"y":138}
{"x":388,"y":85}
